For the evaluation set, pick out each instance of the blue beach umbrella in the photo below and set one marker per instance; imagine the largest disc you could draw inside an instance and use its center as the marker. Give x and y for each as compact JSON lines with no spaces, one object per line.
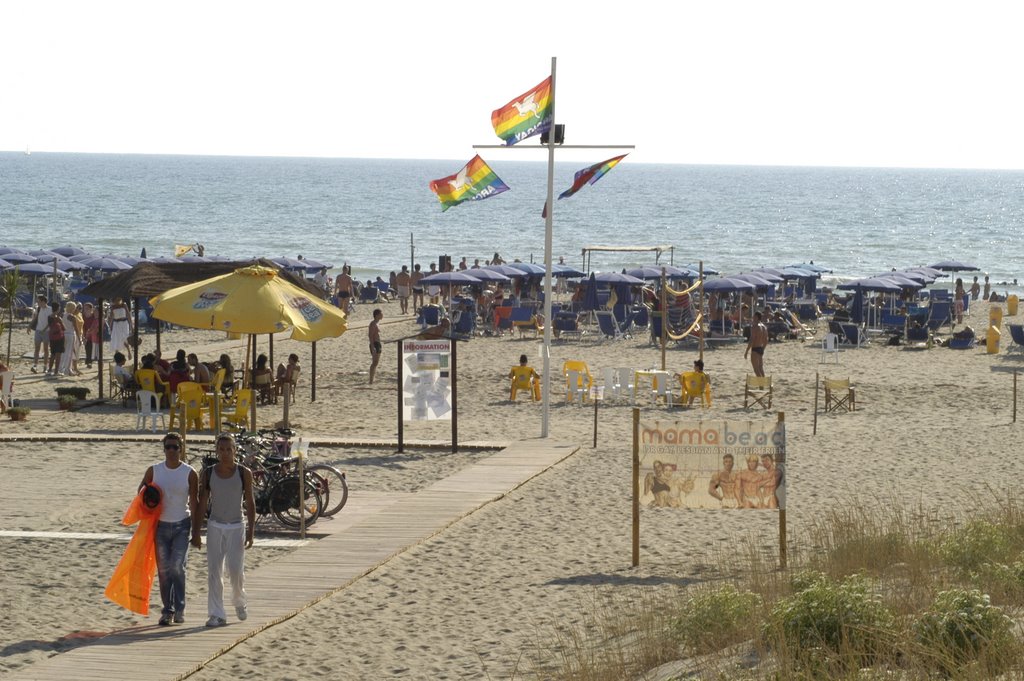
{"x":930,"y":271}
{"x":616,"y":278}
{"x":654,"y":272}
{"x":289,"y":263}
{"x":590,"y":299}
{"x":34,"y":268}
{"x":486,"y":275}
{"x":68,"y":251}
{"x":758,"y":281}
{"x":5,"y":265}
{"x":315,"y":264}
{"x":191,"y":257}
{"x":728,"y":285}
{"x":954,"y":266}
{"x":810,"y":267}
{"x":70,"y":266}
{"x":565,"y":271}
{"x":528,"y":267}
{"x":106,"y":265}
{"x":454,"y":278}
{"x":18,"y":257}
{"x":695,"y":267}
{"x":507,"y":270}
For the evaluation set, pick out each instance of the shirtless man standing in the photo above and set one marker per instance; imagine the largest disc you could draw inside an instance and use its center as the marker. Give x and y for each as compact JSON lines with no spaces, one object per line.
{"x":756,"y":345}
{"x":344,"y":288}
{"x":723,"y":483}
{"x":403,"y":282}
{"x":749,"y":485}
{"x":417,"y":289}
{"x":375,"y":345}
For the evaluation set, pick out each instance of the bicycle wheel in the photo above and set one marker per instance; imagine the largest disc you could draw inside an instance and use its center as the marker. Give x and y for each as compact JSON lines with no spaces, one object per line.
{"x":332,"y":486}
{"x":284,"y":502}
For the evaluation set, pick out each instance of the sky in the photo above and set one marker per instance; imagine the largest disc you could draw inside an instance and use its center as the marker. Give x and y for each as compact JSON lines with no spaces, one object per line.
{"x":897,"y":84}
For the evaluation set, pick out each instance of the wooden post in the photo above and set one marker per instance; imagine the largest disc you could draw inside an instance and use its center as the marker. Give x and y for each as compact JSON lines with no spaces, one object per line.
{"x":302,"y":487}
{"x":252,"y":402}
{"x":271,"y":345}
{"x":135,"y":333}
{"x":664,"y":320}
{"x":286,"y":391}
{"x":1015,"y":397}
{"x":815,"y":432}
{"x":99,"y":349}
{"x":594,"y":399}
{"x":782,"y":511}
{"x":401,"y":417}
{"x":636,"y":486}
{"x":453,"y":375}
{"x":312,"y":377}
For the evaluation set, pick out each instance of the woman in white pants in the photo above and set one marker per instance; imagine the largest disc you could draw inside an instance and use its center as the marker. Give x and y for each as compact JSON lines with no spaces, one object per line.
{"x":224,"y":489}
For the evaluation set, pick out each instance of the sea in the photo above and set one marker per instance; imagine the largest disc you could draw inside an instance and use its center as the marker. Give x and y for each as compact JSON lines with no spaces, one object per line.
{"x":378,"y":214}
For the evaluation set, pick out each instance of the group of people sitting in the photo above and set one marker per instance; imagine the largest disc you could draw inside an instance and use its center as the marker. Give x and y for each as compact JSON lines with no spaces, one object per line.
{"x":169,"y":374}
{"x":268,"y":384}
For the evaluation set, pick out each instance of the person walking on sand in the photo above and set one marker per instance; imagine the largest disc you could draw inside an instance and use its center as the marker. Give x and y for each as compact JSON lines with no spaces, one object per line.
{"x":38,"y":327}
{"x":417,"y":289}
{"x":225,"y":489}
{"x":375,"y":345}
{"x":756,"y":345}
{"x":178,"y":484}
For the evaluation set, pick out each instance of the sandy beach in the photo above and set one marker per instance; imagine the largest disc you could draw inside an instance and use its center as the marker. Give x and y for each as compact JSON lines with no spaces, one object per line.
{"x":933,"y":429}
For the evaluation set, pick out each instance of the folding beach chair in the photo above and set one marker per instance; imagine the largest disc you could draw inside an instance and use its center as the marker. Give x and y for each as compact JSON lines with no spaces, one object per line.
{"x":758,"y":390}
{"x":606,"y":323}
{"x":1017,"y":335}
{"x":839,"y":395}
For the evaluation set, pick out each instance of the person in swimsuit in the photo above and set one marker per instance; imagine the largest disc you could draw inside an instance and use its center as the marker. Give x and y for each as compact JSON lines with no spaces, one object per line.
{"x":756,"y":345}
{"x":403,"y":287}
{"x":344,"y":290}
{"x":375,"y":344}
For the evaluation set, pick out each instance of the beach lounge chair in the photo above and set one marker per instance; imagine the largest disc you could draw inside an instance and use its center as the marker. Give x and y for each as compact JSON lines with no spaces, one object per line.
{"x":758,"y":390}
{"x":240,"y":417}
{"x":369,"y":294}
{"x":567,"y":324}
{"x":522,"y":319}
{"x":465,"y":325}
{"x":962,"y":343}
{"x":6,"y":381}
{"x":939,"y":314}
{"x":1017,"y":335}
{"x":918,"y":334}
{"x":147,"y":406}
{"x":641,"y":317}
{"x":430,"y":315}
{"x":577,"y":380}
{"x":694,"y":385}
{"x":609,"y":328}
{"x":839,"y":394}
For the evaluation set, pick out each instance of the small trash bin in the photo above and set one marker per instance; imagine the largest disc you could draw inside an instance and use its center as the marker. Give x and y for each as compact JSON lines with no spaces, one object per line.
{"x":1011,"y":304}
{"x":992,"y":340}
{"x":995,"y":316}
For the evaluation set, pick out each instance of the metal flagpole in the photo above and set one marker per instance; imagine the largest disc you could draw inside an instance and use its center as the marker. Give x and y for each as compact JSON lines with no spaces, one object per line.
{"x":548,"y":230}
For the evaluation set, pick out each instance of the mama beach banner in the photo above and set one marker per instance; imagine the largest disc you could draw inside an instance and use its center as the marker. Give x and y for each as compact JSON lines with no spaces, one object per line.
{"x":713,"y":464}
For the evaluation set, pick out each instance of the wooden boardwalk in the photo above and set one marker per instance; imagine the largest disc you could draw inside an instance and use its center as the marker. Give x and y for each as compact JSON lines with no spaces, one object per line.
{"x":371,"y":532}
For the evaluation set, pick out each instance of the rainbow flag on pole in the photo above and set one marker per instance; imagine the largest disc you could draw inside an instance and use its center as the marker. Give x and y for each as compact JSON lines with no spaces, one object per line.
{"x":475,"y":182}
{"x":587,"y":176}
{"x":591,"y":175}
{"x":527,"y":115}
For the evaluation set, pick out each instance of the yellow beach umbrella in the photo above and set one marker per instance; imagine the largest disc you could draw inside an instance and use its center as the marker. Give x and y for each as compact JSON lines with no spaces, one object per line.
{"x":250,"y":300}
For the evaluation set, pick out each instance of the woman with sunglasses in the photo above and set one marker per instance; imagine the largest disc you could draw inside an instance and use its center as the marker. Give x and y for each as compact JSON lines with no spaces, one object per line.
{"x":179,"y":484}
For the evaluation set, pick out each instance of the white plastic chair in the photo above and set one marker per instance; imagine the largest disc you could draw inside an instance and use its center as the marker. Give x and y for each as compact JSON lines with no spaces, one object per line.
{"x":829,"y":346}
{"x":145,"y":401}
{"x":6,"y":380}
{"x":661,"y":389}
{"x":574,"y":387}
{"x":625,"y":382}
{"x":611,"y":386}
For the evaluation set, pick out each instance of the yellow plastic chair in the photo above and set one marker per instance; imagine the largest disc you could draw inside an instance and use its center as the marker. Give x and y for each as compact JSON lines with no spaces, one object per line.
{"x":582,"y":382}
{"x":758,"y":390}
{"x":524,"y":378}
{"x":191,"y":398}
{"x":839,"y":394}
{"x":695,"y":384}
{"x":243,"y":403}
{"x":149,"y":380}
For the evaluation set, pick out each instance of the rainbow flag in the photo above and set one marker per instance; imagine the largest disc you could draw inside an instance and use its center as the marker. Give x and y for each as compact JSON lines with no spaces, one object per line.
{"x":591,"y":175}
{"x":475,"y":182}
{"x":586,"y":176}
{"x":527,"y":115}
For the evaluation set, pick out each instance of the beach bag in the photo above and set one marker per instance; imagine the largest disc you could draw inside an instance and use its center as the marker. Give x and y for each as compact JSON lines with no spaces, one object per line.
{"x":132,"y":580}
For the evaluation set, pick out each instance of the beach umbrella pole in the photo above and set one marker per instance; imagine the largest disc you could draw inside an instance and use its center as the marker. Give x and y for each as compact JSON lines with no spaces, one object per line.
{"x":312,"y":377}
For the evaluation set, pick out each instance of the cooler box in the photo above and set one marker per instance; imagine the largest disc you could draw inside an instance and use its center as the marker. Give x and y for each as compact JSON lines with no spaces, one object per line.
{"x":1011,"y":304}
{"x":992,"y":340}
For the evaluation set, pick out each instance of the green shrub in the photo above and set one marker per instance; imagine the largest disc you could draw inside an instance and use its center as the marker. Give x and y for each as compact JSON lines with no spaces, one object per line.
{"x":66,"y":401}
{"x":716,"y":618}
{"x":833,"y":623}
{"x":78,"y":392}
{"x":961,"y":626}
{"x":977,"y":543}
